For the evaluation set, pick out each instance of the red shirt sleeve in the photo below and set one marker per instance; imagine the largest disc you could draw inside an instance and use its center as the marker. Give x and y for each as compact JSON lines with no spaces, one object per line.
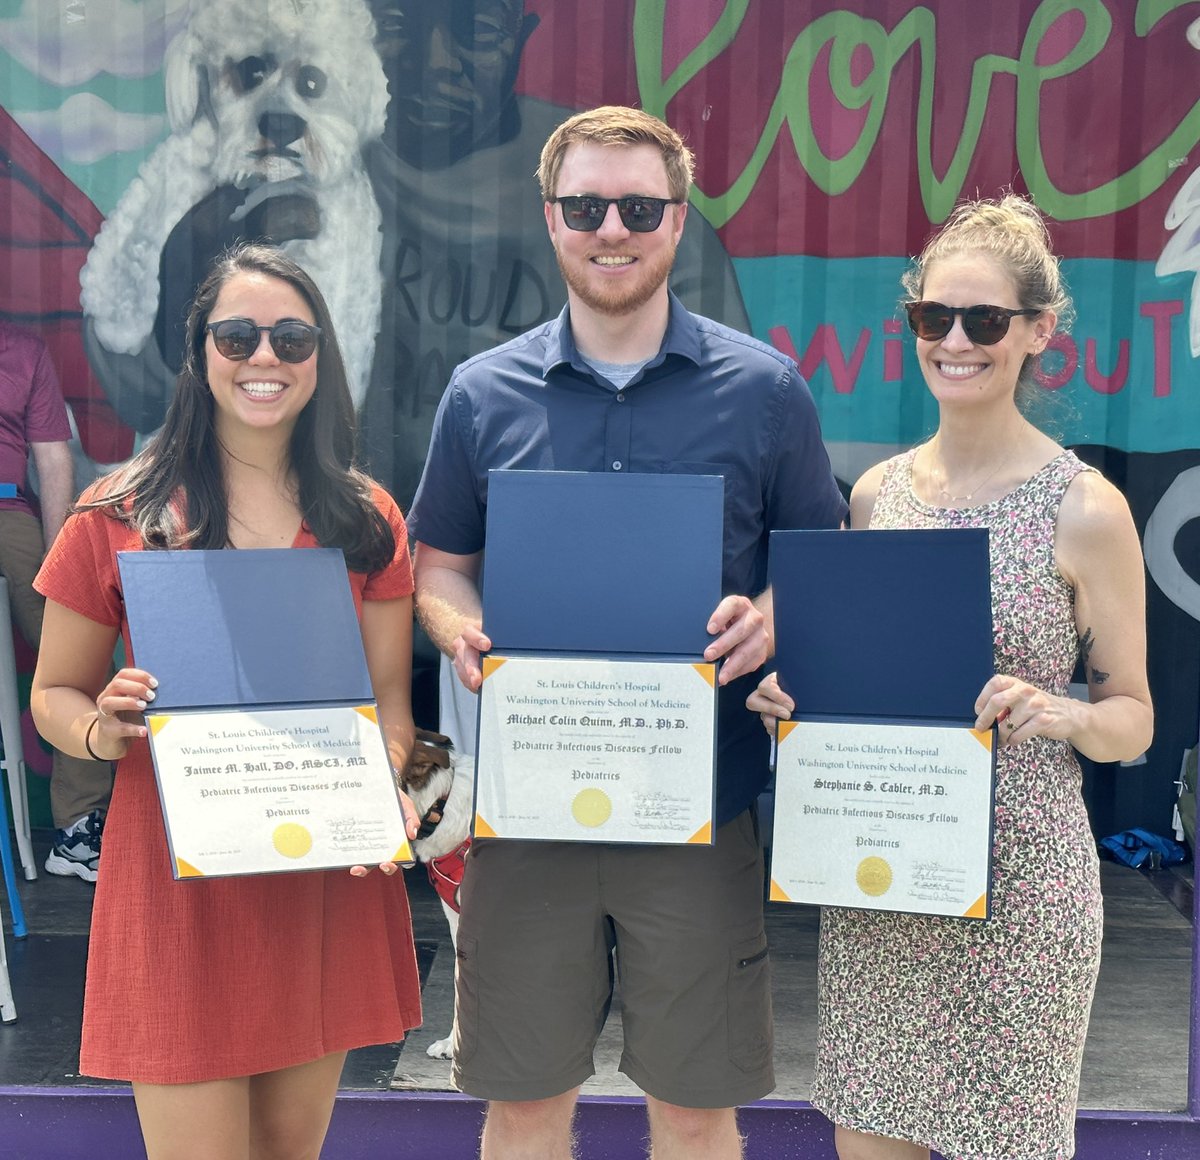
{"x":396,"y":580}
{"x":80,"y":570}
{"x":45,"y":412}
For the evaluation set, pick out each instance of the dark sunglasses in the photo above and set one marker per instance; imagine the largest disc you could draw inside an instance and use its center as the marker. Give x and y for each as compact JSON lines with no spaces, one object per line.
{"x":983,"y":325}
{"x":641,"y":215}
{"x":237,"y":339}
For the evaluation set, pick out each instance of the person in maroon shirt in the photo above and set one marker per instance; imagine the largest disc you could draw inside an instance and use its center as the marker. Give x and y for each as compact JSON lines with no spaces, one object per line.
{"x":33,"y":420}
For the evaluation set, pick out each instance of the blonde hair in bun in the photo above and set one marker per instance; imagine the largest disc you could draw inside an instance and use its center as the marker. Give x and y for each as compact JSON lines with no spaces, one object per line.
{"x":1012,"y":232}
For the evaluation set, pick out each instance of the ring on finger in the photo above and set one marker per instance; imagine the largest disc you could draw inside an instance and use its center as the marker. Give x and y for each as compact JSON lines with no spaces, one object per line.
{"x":1010,"y":725}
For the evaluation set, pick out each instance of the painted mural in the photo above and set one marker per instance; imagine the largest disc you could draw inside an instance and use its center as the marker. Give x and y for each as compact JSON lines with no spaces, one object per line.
{"x":390,"y":146}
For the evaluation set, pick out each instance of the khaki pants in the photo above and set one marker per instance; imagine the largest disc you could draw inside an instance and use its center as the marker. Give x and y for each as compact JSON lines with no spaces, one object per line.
{"x":77,"y":786}
{"x":534,"y":968}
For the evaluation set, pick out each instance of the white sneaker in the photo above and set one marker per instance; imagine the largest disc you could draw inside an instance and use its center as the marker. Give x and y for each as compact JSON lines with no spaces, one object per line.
{"x":76,"y":849}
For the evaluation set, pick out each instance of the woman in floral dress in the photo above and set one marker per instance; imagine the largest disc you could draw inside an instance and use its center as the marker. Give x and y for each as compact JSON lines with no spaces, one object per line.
{"x":967,"y":1037}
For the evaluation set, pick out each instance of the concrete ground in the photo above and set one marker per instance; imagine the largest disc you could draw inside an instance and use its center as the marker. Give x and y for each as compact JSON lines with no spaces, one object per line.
{"x":1137,"y":1049}
{"x":1136,"y":1056}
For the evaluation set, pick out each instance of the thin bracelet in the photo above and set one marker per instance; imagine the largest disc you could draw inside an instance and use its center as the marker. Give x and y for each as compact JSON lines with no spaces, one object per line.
{"x":87,"y":741}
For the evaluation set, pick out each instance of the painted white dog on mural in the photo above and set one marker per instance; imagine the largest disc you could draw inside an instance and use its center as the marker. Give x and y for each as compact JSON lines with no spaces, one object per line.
{"x":1181,"y":254}
{"x":276,"y":100}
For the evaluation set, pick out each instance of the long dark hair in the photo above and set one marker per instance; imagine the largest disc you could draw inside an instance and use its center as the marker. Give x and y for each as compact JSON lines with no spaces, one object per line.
{"x":173,"y":491}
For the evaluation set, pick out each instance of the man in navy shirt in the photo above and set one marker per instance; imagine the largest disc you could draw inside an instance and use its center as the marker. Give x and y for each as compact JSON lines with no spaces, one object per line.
{"x":625,"y":379}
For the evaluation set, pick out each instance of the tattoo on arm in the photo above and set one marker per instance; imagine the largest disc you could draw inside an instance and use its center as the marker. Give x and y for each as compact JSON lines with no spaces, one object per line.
{"x":1086,"y":643}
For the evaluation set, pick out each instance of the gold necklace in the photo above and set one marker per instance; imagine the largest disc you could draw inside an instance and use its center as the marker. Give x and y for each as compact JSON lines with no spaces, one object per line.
{"x":975,"y":490}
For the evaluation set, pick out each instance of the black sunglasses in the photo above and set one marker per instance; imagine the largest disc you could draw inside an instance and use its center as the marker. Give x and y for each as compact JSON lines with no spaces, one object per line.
{"x":983,"y":325}
{"x":237,"y":339}
{"x":641,"y":215}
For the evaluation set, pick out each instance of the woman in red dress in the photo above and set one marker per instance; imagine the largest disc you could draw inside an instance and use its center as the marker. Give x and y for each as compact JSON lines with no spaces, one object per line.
{"x":230,"y":1003}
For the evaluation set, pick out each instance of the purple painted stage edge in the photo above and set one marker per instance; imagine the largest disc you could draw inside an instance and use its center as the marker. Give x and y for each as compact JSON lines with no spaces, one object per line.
{"x":417,"y":1126}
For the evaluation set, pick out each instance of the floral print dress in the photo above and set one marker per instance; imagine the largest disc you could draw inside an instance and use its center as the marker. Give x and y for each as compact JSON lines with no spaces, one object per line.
{"x":967,"y":1037}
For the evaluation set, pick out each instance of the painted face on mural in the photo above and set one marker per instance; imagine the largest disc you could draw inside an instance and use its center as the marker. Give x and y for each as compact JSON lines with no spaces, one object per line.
{"x":451,"y":66}
{"x":958,"y":370}
{"x":262,"y":391}
{"x":614,"y":270}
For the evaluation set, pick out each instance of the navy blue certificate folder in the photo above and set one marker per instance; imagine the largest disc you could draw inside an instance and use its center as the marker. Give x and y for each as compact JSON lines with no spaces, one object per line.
{"x":603,"y":563}
{"x":252,"y":627}
{"x":884,"y":791}
{"x":883,"y":624}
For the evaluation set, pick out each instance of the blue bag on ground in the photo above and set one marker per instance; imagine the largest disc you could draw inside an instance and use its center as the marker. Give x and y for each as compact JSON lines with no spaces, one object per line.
{"x":1138,"y":847}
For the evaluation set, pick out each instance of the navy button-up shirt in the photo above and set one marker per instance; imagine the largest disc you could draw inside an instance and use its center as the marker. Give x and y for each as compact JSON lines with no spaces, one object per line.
{"x":713,"y":401}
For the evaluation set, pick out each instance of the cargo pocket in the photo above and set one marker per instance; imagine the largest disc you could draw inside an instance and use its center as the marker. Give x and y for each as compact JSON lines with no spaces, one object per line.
{"x":750,"y":1034}
{"x":466,"y":999}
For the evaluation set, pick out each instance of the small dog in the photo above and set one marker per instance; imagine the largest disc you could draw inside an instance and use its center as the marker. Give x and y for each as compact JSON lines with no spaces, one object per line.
{"x":441,"y":786}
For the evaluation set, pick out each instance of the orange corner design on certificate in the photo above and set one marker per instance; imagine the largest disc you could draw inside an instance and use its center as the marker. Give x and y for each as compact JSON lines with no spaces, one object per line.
{"x":708,"y":673}
{"x":702,"y":837}
{"x":404,"y":853}
{"x":978,"y":909}
{"x":984,"y":737}
{"x":491,"y":664}
{"x":777,"y":894}
{"x":369,"y":712}
{"x":187,"y":870}
{"x":157,"y":722}
{"x":785,"y":727}
{"x":482,"y":829}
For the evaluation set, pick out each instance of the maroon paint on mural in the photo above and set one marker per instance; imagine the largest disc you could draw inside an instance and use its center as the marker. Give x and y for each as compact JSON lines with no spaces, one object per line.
{"x":1094,"y":123}
{"x":46,"y":230}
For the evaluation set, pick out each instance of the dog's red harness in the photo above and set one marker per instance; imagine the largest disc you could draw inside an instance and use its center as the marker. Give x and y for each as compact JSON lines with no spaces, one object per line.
{"x":446,"y":874}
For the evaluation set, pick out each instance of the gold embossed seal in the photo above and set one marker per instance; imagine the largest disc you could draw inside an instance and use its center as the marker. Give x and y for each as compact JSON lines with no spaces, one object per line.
{"x":874,"y":876}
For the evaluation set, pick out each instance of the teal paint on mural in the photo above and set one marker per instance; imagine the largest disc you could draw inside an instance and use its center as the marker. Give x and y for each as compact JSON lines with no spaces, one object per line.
{"x":1124,"y":376}
{"x":105,"y":179}
{"x":35,"y":102}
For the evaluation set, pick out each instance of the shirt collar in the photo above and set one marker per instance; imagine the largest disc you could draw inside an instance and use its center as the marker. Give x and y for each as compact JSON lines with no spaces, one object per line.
{"x":682,"y":338}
